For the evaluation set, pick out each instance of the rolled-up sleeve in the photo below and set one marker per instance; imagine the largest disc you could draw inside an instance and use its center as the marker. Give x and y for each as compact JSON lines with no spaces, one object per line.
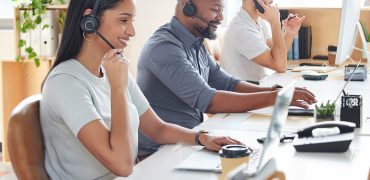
{"x":174,"y":70}
{"x":219,"y":79}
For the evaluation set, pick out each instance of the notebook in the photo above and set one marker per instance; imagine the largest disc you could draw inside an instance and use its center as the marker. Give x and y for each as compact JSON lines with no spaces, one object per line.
{"x":204,"y":160}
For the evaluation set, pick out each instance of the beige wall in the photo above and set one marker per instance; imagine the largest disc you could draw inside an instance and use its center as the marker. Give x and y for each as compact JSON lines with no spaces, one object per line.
{"x":151,"y":14}
{"x":1,"y":104}
{"x":7,"y":45}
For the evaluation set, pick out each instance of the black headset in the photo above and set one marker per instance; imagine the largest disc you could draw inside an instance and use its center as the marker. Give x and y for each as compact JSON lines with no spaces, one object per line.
{"x":189,"y":9}
{"x":90,"y":23}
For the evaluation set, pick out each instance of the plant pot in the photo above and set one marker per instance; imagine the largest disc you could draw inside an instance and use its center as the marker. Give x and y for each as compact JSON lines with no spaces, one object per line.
{"x":320,"y":118}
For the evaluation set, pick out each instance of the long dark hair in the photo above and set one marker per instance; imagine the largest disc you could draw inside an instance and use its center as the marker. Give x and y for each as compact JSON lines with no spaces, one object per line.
{"x":72,"y":37}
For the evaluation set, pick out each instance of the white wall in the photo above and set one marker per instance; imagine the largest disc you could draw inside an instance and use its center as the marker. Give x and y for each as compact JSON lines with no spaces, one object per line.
{"x":151,"y":14}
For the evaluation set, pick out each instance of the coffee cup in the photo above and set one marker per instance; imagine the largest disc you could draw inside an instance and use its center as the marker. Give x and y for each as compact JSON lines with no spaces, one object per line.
{"x":233,"y":156}
{"x":332,"y":52}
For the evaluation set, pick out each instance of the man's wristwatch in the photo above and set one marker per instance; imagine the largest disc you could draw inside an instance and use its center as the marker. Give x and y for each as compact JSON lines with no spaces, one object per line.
{"x":197,"y":142}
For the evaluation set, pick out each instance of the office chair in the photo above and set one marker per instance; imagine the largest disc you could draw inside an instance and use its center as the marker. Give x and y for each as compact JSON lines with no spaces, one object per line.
{"x":25,"y":140}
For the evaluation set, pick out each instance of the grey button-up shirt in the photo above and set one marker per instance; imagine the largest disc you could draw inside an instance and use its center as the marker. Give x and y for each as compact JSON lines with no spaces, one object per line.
{"x":178,"y":77}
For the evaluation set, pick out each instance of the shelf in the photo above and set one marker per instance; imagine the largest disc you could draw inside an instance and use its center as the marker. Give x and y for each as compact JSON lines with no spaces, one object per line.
{"x":312,"y":4}
{"x":50,"y":7}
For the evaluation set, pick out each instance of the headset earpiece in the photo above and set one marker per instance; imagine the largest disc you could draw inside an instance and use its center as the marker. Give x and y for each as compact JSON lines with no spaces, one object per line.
{"x":89,"y":23}
{"x":189,"y":9}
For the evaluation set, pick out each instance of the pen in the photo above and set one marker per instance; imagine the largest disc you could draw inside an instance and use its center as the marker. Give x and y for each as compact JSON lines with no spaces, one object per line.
{"x":291,"y":17}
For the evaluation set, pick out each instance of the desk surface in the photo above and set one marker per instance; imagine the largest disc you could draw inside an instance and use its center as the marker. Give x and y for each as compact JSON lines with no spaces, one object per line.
{"x":247,"y":127}
{"x":353,"y":164}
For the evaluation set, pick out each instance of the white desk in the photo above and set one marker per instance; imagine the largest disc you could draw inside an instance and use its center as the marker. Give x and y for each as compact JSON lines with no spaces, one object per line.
{"x":247,"y":127}
{"x":353,"y":164}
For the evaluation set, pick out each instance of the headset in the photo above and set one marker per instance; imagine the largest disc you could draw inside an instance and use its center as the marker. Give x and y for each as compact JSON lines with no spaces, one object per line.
{"x":90,"y":23}
{"x":190,"y":10}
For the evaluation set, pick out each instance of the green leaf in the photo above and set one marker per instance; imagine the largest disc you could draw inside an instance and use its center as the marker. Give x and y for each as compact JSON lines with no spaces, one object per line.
{"x":45,"y":26}
{"x":18,"y":58}
{"x":32,"y":55}
{"x":37,"y":62}
{"x":21,"y":43}
{"x":26,"y":14}
{"x":38,"y":20}
{"x":29,"y":50}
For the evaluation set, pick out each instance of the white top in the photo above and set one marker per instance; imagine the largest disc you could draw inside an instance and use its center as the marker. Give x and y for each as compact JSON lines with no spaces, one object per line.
{"x":72,"y":97}
{"x":244,"y":40}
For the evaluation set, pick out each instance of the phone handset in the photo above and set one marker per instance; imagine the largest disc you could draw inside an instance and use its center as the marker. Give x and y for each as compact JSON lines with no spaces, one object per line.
{"x":259,"y":7}
{"x":344,"y":127}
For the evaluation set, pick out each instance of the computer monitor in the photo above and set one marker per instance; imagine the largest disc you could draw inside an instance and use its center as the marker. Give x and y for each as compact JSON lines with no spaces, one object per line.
{"x":349,"y":24}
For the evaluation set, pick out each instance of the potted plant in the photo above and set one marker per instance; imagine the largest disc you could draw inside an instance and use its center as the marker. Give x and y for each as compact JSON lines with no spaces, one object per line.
{"x":325,"y":112}
{"x":367,"y":37}
{"x":30,"y":20}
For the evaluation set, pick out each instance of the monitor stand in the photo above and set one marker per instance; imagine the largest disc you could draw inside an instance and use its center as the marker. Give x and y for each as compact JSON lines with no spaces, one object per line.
{"x":363,"y":41}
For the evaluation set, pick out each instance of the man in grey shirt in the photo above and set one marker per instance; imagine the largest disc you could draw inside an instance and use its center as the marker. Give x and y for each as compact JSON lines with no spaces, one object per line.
{"x":181,"y":80}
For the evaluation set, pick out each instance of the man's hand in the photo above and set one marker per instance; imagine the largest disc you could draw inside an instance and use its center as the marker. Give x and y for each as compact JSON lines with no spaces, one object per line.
{"x":292,"y":24}
{"x":215,"y":143}
{"x":303,"y":98}
{"x":272,"y":14}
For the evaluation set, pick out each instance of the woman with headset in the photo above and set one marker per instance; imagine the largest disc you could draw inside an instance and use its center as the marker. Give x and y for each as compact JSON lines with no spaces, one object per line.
{"x":91,"y":108}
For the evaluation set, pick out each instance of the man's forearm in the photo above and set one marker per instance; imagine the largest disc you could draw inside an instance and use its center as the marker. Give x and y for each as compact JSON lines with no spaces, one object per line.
{"x":233,"y":102}
{"x":288,"y":40}
{"x":246,"y":87}
{"x":279,"y":51}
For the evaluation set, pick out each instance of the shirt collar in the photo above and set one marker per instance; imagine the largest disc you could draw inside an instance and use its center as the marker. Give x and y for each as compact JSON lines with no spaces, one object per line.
{"x":244,"y":15}
{"x":184,"y":34}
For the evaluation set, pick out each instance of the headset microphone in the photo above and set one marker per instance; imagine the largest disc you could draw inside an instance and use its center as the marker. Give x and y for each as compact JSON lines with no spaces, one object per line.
{"x":209,"y":24}
{"x":105,"y":40}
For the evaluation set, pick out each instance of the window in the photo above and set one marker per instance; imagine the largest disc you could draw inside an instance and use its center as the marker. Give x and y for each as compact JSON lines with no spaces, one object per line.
{"x":7,"y":14}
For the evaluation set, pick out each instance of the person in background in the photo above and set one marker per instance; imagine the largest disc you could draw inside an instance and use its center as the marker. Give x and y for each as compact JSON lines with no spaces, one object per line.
{"x":91,"y":108}
{"x":181,"y":81}
{"x":254,"y":41}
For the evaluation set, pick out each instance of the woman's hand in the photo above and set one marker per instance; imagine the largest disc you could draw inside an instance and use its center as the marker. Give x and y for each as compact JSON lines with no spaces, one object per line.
{"x":116,"y":68}
{"x":215,"y":143}
{"x":303,"y":98}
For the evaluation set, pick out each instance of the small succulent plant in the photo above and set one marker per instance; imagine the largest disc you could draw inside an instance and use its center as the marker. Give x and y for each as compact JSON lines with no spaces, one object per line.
{"x":325,"y":109}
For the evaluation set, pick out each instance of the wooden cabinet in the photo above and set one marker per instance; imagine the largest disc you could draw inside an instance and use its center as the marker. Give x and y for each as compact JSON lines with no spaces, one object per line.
{"x":20,"y":80}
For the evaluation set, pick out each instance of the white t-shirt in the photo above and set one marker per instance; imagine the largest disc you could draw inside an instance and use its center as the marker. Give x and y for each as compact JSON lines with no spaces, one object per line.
{"x":244,"y":40}
{"x":72,"y":97}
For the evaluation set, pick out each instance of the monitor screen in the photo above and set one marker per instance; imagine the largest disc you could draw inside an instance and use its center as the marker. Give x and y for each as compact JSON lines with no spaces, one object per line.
{"x":349,"y":18}
{"x":278,"y":118}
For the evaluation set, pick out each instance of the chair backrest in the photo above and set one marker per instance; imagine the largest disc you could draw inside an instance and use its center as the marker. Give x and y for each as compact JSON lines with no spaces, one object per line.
{"x":25,"y":140}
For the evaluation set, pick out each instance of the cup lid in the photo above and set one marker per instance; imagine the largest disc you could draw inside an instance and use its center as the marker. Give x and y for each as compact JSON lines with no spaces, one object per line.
{"x":234,"y":151}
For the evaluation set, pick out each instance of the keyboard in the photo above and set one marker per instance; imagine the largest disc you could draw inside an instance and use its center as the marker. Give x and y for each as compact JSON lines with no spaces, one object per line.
{"x":253,"y":162}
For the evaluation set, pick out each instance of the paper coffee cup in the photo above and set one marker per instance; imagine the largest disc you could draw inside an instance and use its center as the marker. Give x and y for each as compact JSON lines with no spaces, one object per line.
{"x":233,"y":156}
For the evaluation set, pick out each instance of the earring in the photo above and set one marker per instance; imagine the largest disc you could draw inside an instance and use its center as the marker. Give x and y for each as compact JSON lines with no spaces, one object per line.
{"x":88,"y":36}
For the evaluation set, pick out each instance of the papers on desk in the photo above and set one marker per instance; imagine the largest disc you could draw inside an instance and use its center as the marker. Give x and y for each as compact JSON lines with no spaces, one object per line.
{"x":320,"y":69}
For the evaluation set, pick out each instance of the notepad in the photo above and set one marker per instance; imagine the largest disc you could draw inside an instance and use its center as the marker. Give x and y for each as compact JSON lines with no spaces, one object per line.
{"x":320,"y":69}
